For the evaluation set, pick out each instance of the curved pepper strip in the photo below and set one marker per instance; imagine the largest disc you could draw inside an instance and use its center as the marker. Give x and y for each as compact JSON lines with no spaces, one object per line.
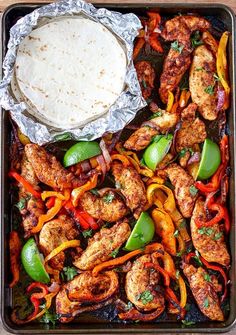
{"x":170,"y":101}
{"x":169,"y":206}
{"x":36,"y":297}
{"x":78,"y":192}
{"x":184,"y":97}
{"x":138,"y":47}
{"x":134,"y":314}
{"x":217,"y":218}
{"x":165,"y":228}
{"x":27,"y":186}
{"x":47,"y":194}
{"x":15,"y":249}
{"x":51,"y":213}
{"x":170,"y":295}
{"x":158,"y":268}
{"x":221,"y":66}
{"x":212,"y":267}
{"x":122,"y":158}
{"x":63,"y":246}
{"x":154,"y":247}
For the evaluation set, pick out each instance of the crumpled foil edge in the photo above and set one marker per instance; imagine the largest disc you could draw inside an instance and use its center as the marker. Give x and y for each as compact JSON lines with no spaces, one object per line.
{"x":125,"y":26}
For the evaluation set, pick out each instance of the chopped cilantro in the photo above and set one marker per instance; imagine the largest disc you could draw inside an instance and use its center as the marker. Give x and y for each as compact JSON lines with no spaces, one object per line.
{"x":94,"y":191}
{"x":193,"y":190}
{"x":128,"y":306}
{"x":21,"y":204}
{"x":216,"y":77}
{"x":144,"y":83}
{"x":108,"y":198}
{"x":87,"y":233}
{"x":114,"y":253}
{"x":207,"y":277}
{"x":176,"y":233}
{"x":218,"y":236}
{"x":188,"y":323}
{"x":205,"y":231}
{"x":183,"y":152}
{"x":157,"y":114}
{"x":196,"y":39}
{"x":206,"y":303}
{"x":49,"y":317}
{"x":199,"y":68}
{"x":177,"y":274}
{"x":145,"y":297}
{"x":175,"y":46}
{"x":70,"y":272}
{"x":182,"y":224}
{"x":209,"y":89}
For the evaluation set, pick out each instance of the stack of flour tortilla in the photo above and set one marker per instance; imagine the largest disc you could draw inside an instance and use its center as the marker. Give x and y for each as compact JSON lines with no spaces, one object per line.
{"x":69,"y":71}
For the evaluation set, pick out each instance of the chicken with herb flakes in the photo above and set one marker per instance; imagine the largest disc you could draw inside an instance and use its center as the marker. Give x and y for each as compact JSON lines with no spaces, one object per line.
{"x":109,"y":207}
{"x":203,"y":82}
{"x":204,"y":292}
{"x":160,"y":124}
{"x":141,"y":284}
{"x":49,"y":170}
{"x":53,"y":234}
{"x":185,"y":192}
{"x":209,"y":241}
{"x":103,"y":246}
{"x":192,"y":130}
{"x":146,"y":77}
{"x":30,"y":207}
{"x":131,"y":186}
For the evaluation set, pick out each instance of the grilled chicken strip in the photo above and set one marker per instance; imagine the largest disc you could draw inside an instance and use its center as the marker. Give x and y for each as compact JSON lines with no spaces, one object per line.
{"x":102,"y":244}
{"x":109,"y":207}
{"x":202,"y":83}
{"x":131,"y":186}
{"x":48,"y":170}
{"x":85,"y":288}
{"x":192,"y":130}
{"x":53,"y":234}
{"x":141,"y":138}
{"x":175,"y":65}
{"x":146,"y":77}
{"x":140,"y":280}
{"x":181,"y":27}
{"x":182,"y":182}
{"x":33,"y":207}
{"x":203,"y":292}
{"x":211,"y":244}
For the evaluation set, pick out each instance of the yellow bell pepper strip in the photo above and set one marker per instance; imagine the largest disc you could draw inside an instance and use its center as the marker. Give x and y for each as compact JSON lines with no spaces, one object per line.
{"x":170,"y":101}
{"x":78,"y":192}
{"x":15,"y":249}
{"x":63,"y":246}
{"x":55,"y":273}
{"x":155,"y":179}
{"x":122,"y":158}
{"x":184,"y":97}
{"x":47,"y":194}
{"x":22,"y":137}
{"x":181,"y":244}
{"x":165,"y":229}
{"x":221,"y":66}
{"x":51,"y":213}
{"x":154,"y":247}
{"x":183,"y":292}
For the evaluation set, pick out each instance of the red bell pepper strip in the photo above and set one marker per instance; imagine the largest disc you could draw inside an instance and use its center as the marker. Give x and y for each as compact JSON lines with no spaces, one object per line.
{"x":85,"y":220}
{"x":211,"y":267}
{"x":50,"y":202}
{"x":29,"y":188}
{"x":162,"y":271}
{"x":155,"y":20}
{"x":219,"y":216}
{"x":36,"y":297}
{"x":155,"y":43}
{"x":15,"y":249}
{"x":227,"y":220}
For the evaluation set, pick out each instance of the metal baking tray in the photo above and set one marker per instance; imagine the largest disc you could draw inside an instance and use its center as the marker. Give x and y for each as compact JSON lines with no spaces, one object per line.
{"x":225,"y":19}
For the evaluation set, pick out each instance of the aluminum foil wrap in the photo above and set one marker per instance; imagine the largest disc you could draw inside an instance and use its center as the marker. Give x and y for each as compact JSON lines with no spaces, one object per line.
{"x":125,"y":26}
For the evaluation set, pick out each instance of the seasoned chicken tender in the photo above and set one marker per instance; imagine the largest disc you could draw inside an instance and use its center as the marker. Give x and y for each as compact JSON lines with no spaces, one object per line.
{"x":141,"y":138}
{"x":211,"y":245}
{"x":202,"y":83}
{"x":48,"y":170}
{"x":102,"y":244}
{"x":175,"y":65}
{"x":182,"y":182}
{"x":141,"y":279}
{"x":146,"y":77}
{"x":131,"y":186}
{"x":203,"y":292}
{"x":192,"y":130}
{"x":53,"y":234}
{"x":33,"y":208}
{"x":109,"y":207}
{"x":181,"y":27}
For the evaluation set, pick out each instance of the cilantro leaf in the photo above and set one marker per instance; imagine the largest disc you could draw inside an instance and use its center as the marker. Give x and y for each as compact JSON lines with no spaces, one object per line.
{"x":207,"y":277}
{"x":87,"y":233}
{"x":114,"y":253}
{"x":209,"y":89}
{"x":218,"y":236}
{"x":145,"y":297}
{"x":188,"y":323}
{"x":70,"y":272}
{"x":128,"y":306}
{"x":175,"y":46}
{"x":206,"y":303}
{"x":196,"y":39}
{"x":157,"y":114}
{"x":94,"y":191}
{"x":21,"y":204}
{"x":108,"y":198}
{"x":49,"y":317}
{"x":176,"y":233}
{"x":193,"y":190}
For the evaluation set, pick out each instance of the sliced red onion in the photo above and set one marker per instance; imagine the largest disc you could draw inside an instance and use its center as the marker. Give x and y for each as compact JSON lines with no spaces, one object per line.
{"x":101,"y":162}
{"x":221,"y":97}
{"x":55,"y":287}
{"x":173,"y":147}
{"x":196,"y":157}
{"x":85,"y":166}
{"x":106,"y":154}
{"x":114,"y":141}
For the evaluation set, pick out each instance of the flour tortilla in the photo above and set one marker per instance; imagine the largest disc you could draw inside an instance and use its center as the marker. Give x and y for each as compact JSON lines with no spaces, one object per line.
{"x":69,"y":71}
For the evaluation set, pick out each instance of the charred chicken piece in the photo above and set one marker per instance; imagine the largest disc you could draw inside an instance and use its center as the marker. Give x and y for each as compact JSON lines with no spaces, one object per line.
{"x":204,"y":292}
{"x":210,"y":242}
{"x":33,"y":208}
{"x":182,"y":182}
{"x":48,"y":170}
{"x":53,"y":234}
{"x":109,"y":207}
{"x":202,"y":84}
{"x":146,"y":77}
{"x":131,"y":186}
{"x":175,"y":65}
{"x":101,"y":246}
{"x":141,"y":138}
{"x":85,"y":288}
{"x":192,"y":130}
{"x":181,"y":27}
{"x":140,"y":280}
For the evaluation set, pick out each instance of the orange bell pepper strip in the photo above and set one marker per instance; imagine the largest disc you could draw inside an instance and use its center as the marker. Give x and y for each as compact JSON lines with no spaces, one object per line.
{"x":170,"y":101}
{"x":63,"y":246}
{"x":158,"y":268}
{"x":122,"y":158}
{"x":155,"y":20}
{"x":184,"y":97}
{"x":222,"y":67}
{"x":77,"y":193}
{"x":29,"y":188}
{"x":134,"y":314}
{"x":165,"y":229}
{"x":51,"y":213}
{"x":155,"y":43}
{"x":15,"y":249}
{"x":121,"y":260}
{"x":138,"y":47}
{"x":47,"y":194}
{"x":170,"y":295}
